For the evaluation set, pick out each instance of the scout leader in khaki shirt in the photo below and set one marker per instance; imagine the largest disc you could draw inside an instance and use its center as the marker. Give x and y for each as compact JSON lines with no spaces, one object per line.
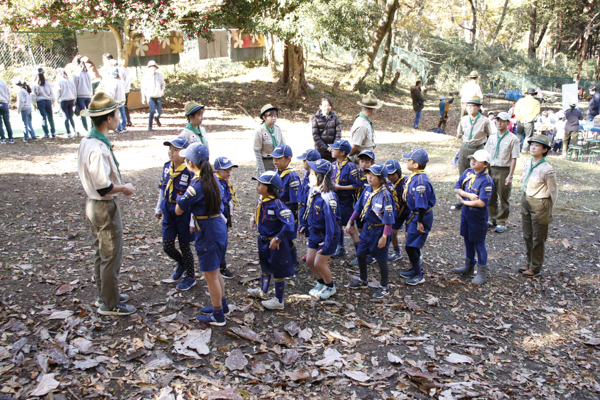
{"x":474,"y":130}
{"x":362,"y":133}
{"x":266,"y":138}
{"x":540,"y":182}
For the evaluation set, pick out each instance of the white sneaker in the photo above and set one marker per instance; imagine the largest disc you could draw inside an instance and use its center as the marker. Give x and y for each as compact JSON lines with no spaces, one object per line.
{"x":326,"y":293}
{"x":314,"y":291}
{"x":272,"y":304}
{"x":258,"y":293}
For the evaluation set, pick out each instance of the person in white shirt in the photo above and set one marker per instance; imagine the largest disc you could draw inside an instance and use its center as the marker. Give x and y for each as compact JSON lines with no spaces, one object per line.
{"x":24,"y":108}
{"x":468,"y":90}
{"x":492,"y":116}
{"x":66,"y":94}
{"x":114,"y":87}
{"x":43,"y":96}
{"x":4,"y":113}
{"x":153,"y":88}
{"x":83,"y":88}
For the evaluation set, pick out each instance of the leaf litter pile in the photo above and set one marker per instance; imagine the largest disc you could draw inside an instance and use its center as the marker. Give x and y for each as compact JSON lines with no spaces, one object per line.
{"x":447,"y":339}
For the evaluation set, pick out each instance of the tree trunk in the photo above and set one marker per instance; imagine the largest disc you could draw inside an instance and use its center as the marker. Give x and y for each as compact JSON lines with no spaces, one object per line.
{"x":473,"y":23}
{"x":362,"y":69}
{"x":293,"y":77}
{"x":386,"y":56}
{"x":395,"y":79}
{"x":597,"y":73}
{"x":270,"y":39}
{"x":499,"y":23}
{"x":532,"y":29}
{"x":125,"y":41}
{"x":586,"y":39}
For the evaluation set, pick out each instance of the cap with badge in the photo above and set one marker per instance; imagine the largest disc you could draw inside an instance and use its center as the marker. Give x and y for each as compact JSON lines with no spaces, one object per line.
{"x":378,"y":169}
{"x":418,"y":155}
{"x":178,"y":143}
{"x":283,"y":150}
{"x":342,"y":145}
{"x":310,"y":155}
{"x":269,"y":178}
{"x":392,"y":166}
{"x":196,"y":152}
{"x":503,"y":116}
{"x":321,"y":166}
{"x":481,"y":156}
{"x":224,"y":163}
{"x":367,"y":153}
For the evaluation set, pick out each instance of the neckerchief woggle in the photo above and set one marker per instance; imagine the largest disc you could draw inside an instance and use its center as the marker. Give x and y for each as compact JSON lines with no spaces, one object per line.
{"x":473,"y":124}
{"x":368,"y":202}
{"x":272,"y":132}
{"x":405,"y":193}
{"x":338,"y":172}
{"x":499,"y":138}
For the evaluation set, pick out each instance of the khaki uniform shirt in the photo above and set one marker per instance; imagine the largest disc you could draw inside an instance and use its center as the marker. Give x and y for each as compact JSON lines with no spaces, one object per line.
{"x":362,"y":135}
{"x":470,"y":89}
{"x":481,"y":130}
{"x":96,"y":167}
{"x":263,"y":141}
{"x":542,"y":181}
{"x":509,"y":148}
{"x":192,"y":137}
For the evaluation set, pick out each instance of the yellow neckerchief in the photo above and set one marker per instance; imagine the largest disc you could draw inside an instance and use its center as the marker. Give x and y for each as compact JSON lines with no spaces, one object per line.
{"x":261,"y":201}
{"x":471,"y":179}
{"x":405,"y":193}
{"x":395,"y":193}
{"x":338,"y":173}
{"x":285,"y":171}
{"x":172,"y":175}
{"x":368,"y":202}
{"x":234,"y":197}
{"x":310,"y":201}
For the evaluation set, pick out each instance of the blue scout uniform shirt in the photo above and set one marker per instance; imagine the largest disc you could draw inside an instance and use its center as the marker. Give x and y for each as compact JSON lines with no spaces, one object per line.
{"x":180,"y":183}
{"x":346,"y":175}
{"x":419,"y":193}
{"x":226,"y":196}
{"x":193,"y":198}
{"x":397,"y":189}
{"x":305,"y":187}
{"x":481,"y":184}
{"x":323,"y":214}
{"x":291,"y":187}
{"x":364,"y":183}
{"x":275,"y":219}
{"x":380,"y":206}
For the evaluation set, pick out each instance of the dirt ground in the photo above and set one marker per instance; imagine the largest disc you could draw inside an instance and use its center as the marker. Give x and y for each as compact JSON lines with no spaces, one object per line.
{"x":448,"y":339}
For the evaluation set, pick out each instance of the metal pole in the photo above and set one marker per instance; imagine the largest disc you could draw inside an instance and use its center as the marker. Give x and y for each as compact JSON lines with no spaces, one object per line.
{"x":30,"y":52}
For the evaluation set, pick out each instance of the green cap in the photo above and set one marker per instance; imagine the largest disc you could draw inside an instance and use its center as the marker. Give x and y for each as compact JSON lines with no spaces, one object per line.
{"x":542,"y":139}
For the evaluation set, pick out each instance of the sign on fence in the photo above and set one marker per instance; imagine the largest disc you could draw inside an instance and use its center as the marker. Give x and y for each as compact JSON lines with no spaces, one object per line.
{"x":569,"y":95}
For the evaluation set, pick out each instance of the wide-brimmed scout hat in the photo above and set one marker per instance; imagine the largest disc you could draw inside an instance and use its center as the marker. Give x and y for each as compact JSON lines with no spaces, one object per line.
{"x":378,"y":169}
{"x":474,"y":100}
{"x":191,"y":107}
{"x":531,"y":91}
{"x":481,"y":156}
{"x":269,"y":178}
{"x":196,"y":152}
{"x":267,"y":107}
{"x":309,"y":155}
{"x":321,"y":166}
{"x":503,"y":116}
{"x":474,"y":74}
{"x":152,"y":63}
{"x":178,"y":143}
{"x":370,"y":101}
{"x":101,"y":104}
{"x":224,"y":163}
{"x":542,"y":139}
{"x":392,"y":166}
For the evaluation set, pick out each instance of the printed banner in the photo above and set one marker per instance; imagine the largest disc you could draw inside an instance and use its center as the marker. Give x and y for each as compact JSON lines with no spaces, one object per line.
{"x":157,"y":47}
{"x":240,"y":40}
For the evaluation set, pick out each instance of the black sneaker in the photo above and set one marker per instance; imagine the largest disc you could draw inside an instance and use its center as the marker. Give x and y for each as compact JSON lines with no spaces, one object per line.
{"x":226,"y":274}
{"x":357,"y":284}
{"x":457,"y":206}
{"x":381,"y":292}
{"x":339,"y":253}
{"x":123,"y":298}
{"x":157,"y":120}
{"x":119,"y":309}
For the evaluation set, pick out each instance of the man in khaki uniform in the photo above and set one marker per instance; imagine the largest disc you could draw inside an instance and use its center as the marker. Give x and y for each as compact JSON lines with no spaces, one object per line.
{"x":362,"y":133}
{"x":101,"y":179}
{"x":468,"y":90}
{"x":540,"y":192}
{"x":474,"y":130}
{"x":505,"y":149}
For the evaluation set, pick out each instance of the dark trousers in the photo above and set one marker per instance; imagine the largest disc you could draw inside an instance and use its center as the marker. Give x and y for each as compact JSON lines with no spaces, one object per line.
{"x":67,"y":109}
{"x":536,"y":215}
{"x":4,"y":113}
{"x":127,"y":110}
{"x":45,"y":109}
{"x":155,"y":104}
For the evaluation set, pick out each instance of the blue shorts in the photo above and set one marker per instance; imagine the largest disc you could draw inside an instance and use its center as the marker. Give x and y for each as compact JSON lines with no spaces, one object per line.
{"x":211,"y":242}
{"x":401,"y":219}
{"x":369,"y":238}
{"x":346,"y":209}
{"x":318,"y":236}
{"x":176,"y":226}
{"x":275,"y":262}
{"x":414,"y":238}
{"x":473,"y":223}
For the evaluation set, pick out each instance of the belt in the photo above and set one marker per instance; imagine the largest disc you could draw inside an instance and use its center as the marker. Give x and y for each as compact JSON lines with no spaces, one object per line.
{"x":370,"y":225}
{"x":266,"y":238}
{"x":470,"y":146}
{"x":206,"y":216}
{"x":267,"y":158}
{"x":494,"y":166}
{"x":412,"y":215}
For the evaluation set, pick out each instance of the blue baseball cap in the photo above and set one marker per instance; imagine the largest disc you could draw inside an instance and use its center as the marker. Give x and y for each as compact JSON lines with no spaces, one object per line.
{"x":378,"y":169}
{"x":392,"y":166}
{"x":367,"y":152}
{"x":269,"y":178}
{"x":310,"y":155}
{"x":418,"y":155}
{"x":196,"y":152}
{"x":179,"y":143}
{"x":283,"y":150}
{"x":321,"y":166}
{"x":342,"y":145}
{"x":223,"y":163}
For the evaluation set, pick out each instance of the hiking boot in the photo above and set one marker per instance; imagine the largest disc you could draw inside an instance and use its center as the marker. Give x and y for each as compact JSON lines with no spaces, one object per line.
{"x":357,"y":284}
{"x":123,"y":298}
{"x":316,"y":289}
{"x":467,"y":269}
{"x":500,"y":229}
{"x":226,"y":274}
{"x":258,"y":293}
{"x":395,"y":256}
{"x":381,"y":292}
{"x":210,"y":319}
{"x":119,"y":309}
{"x":186,"y":284}
{"x":179,"y":270}
{"x":326,"y":293}
{"x":417,"y":279}
{"x":408,"y":274}
{"x":339,"y":253}
{"x":481,"y":276}
{"x":272,"y":304}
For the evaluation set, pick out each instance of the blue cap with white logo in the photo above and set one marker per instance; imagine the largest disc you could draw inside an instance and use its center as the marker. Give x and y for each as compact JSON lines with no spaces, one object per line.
{"x":223,"y":163}
{"x":283,"y":150}
{"x":178,"y":143}
{"x":392,"y":166}
{"x":321,"y":166}
{"x":196,"y":152}
{"x":378,"y":169}
{"x":367,"y":153}
{"x":269,"y":178}
{"x":310,"y":155}
{"x":418,"y":155}
{"x":342,"y":145}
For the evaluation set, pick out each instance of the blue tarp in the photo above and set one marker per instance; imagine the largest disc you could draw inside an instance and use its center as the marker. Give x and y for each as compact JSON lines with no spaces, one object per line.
{"x":513,"y":95}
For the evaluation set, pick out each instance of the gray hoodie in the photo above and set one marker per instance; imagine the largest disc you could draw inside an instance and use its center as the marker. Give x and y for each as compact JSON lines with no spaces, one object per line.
{"x":83,"y":83}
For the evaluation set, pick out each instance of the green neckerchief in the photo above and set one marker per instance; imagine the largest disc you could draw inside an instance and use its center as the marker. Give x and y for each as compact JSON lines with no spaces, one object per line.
{"x":498,"y":144}
{"x":272,"y":132}
{"x":95,"y":134}
{"x":524,"y":187}
{"x":473,"y":124}
{"x":360,"y":114}
{"x":197,"y":132}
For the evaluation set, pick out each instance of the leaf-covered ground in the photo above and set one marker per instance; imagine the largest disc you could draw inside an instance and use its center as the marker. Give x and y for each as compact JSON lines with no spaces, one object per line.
{"x":447,"y":339}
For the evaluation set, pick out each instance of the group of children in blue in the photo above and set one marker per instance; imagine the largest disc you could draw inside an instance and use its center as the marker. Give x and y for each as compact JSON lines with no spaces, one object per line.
{"x":370,"y":203}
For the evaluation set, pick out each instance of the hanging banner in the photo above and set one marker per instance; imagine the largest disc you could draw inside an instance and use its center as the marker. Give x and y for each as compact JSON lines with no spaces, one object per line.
{"x":240,"y":40}
{"x":164,"y":51}
{"x":217,"y":48}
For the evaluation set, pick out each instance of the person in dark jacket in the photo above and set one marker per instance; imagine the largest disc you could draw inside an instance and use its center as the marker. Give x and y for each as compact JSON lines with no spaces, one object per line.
{"x":418,"y":101}
{"x":594,"y":107}
{"x":573,"y":116}
{"x":326,"y":129}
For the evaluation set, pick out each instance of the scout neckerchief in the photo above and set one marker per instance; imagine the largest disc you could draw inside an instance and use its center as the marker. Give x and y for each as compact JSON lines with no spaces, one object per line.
{"x":395,"y":193}
{"x":524,"y":187}
{"x":285,"y":171}
{"x":197,"y":132}
{"x":234,"y":197}
{"x":471,"y":179}
{"x":368,"y":202}
{"x":473,"y":122}
{"x":405,"y":193}
{"x":360,"y":114}
{"x":173,"y":173}
{"x":314,"y":193}
{"x":272,"y":132}
{"x":261,"y":201}
{"x":499,"y":138}
{"x":95,"y":134}
{"x":338,"y":172}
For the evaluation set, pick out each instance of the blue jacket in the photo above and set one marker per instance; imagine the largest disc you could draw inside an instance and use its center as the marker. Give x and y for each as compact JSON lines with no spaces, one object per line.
{"x":347,"y":175}
{"x":291,"y":187}
{"x":594,"y":107}
{"x":180,"y":183}
{"x":419,"y":193}
{"x":324,"y":214}
{"x":275,"y":219}
{"x":482,"y":186}
{"x":381,"y":208}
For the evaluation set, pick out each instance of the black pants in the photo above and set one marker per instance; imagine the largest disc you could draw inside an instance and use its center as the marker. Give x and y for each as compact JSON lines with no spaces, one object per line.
{"x":127,"y":110}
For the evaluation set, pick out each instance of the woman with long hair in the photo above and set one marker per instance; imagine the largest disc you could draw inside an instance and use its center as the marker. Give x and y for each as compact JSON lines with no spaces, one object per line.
{"x":83,"y":88}
{"x":66,"y":95}
{"x":43,"y":98}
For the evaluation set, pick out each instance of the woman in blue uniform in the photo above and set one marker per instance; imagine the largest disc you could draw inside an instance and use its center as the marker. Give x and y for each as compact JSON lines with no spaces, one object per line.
{"x":203,"y":198}
{"x":475,"y":187}
{"x":275,"y":224}
{"x":375,"y":208}
{"x":321,"y":217}
{"x":174,"y":182}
